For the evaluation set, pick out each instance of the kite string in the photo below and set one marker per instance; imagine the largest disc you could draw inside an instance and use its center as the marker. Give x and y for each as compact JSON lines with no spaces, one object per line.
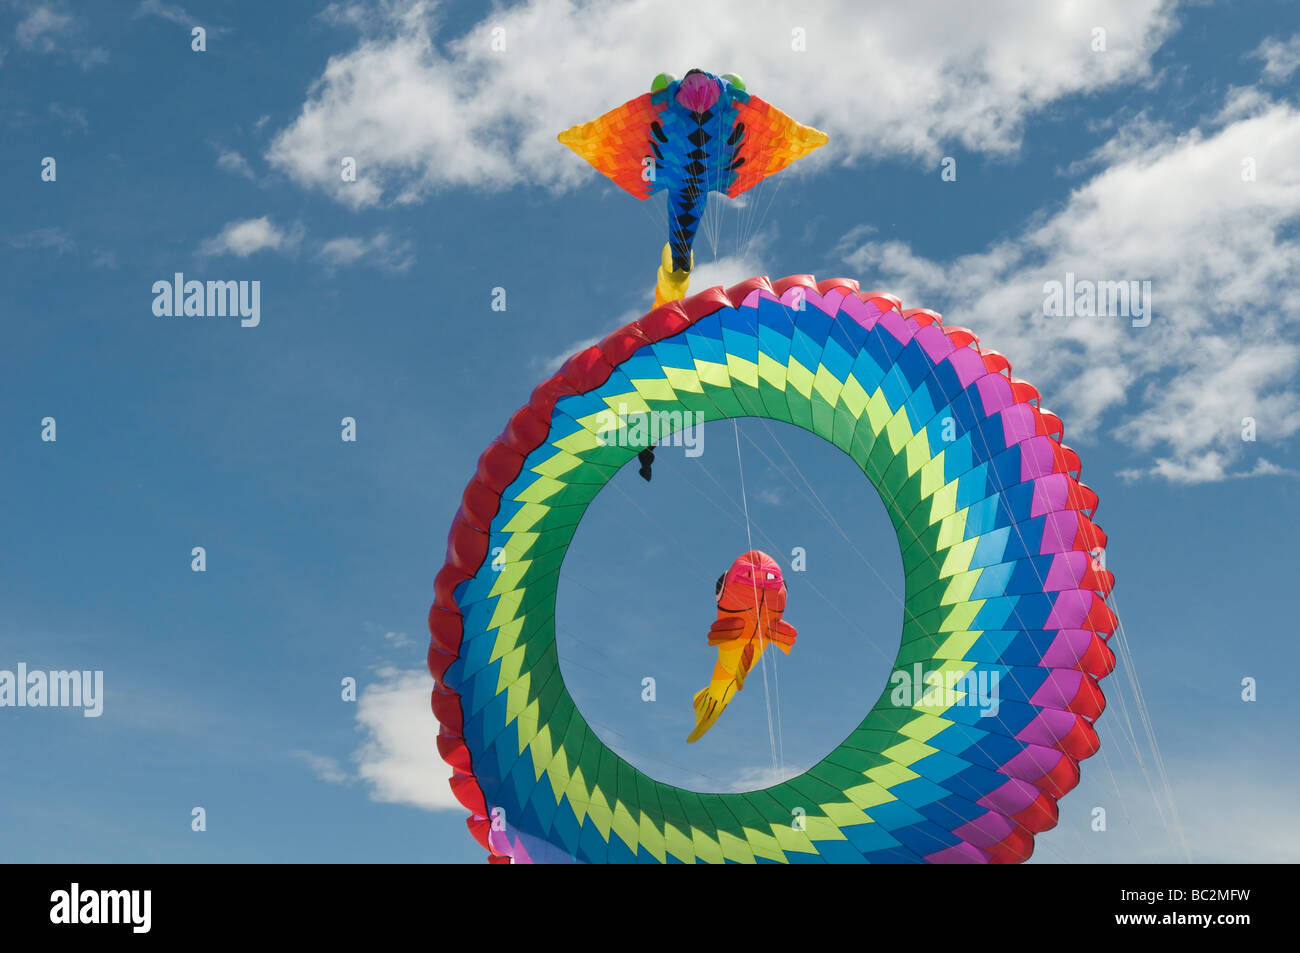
{"x":778,"y":759}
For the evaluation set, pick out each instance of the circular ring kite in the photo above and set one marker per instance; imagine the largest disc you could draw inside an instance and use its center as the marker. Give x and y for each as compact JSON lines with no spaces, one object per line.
{"x":1002,"y":589}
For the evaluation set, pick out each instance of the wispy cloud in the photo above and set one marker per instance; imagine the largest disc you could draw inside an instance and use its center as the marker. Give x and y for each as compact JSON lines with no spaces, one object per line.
{"x":398,"y":640}
{"x":380,"y":250}
{"x":41,"y":239}
{"x":1281,"y":58}
{"x":73,"y":117}
{"x":552,"y":363}
{"x":729,"y":271}
{"x":176,"y":14}
{"x":41,"y":28}
{"x":48,"y":28}
{"x":325,"y":768}
{"x":756,"y":779}
{"x":244,"y":238}
{"x":234,"y":163}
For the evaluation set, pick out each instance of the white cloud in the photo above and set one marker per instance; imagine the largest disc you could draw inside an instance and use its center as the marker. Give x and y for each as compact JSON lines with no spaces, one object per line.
{"x":41,"y":26}
{"x":399,"y":640}
{"x":399,"y":759}
{"x":243,"y":238}
{"x":725,"y":272}
{"x":233,"y":162}
{"x":175,"y":14}
{"x":421,"y":112}
{"x":94,"y":56}
{"x":1224,"y":267}
{"x":73,"y":116}
{"x":166,"y":11}
{"x":549,"y":365}
{"x":41,"y":239}
{"x":379,"y":250}
{"x":1281,"y":57}
{"x":325,"y":768}
{"x":756,"y":779}
{"x":553,"y":363}
{"x":46,"y":29}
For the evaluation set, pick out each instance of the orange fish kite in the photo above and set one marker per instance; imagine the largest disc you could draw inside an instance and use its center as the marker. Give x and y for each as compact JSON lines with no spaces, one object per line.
{"x":751,"y":597}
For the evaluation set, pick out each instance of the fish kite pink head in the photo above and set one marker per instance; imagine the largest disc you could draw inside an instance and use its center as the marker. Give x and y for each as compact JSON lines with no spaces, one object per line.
{"x":754,"y":578}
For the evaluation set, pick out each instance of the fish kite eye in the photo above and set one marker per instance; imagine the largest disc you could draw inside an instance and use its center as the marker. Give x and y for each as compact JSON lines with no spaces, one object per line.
{"x":771,"y":575}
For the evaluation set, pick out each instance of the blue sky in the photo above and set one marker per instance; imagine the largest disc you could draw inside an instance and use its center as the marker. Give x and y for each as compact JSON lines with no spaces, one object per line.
{"x":223,"y":687}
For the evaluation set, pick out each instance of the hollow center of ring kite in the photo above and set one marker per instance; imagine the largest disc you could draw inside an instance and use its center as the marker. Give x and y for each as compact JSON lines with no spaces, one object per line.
{"x":636,"y":599}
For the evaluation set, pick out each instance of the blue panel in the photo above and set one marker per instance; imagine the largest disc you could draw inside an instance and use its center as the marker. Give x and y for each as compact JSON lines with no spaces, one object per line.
{"x":642,"y":367}
{"x":674,"y":352}
{"x":707,"y":349}
{"x":894,"y":816}
{"x":918,"y":791}
{"x":992,"y":581}
{"x":775,"y":316}
{"x":837,"y":360}
{"x":995,"y":645}
{"x":813,"y":322}
{"x":1005,"y":468}
{"x":541,"y":806}
{"x":1028,"y":574}
{"x":837,"y":851}
{"x":847,"y":333}
{"x":580,"y":405}
{"x":993,"y":613}
{"x":989,"y":550}
{"x":805,"y":350}
{"x":895,"y":388}
{"x":869,"y":837}
{"x":565,"y":826}
{"x":591,"y":846}
{"x":619,"y":852}
{"x":899,"y":855}
{"x":938,"y":766}
{"x":775,"y":345}
{"x":953,"y":811}
{"x":867,"y":372}
{"x":981,"y":513}
{"x":915,"y":364}
{"x":925,"y":838}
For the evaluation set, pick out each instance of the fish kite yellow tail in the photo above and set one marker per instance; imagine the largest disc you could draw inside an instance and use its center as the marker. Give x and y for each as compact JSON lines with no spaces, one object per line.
{"x":709,"y":704}
{"x":670,"y":283}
